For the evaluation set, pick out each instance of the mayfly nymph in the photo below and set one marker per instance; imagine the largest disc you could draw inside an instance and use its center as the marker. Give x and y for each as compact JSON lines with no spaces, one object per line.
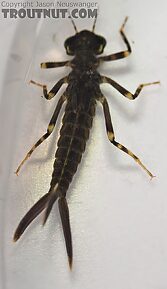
{"x":81,"y":96}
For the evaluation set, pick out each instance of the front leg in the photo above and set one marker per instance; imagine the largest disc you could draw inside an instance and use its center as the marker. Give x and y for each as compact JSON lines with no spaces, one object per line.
{"x":55,"y":64}
{"x":121,"y":54}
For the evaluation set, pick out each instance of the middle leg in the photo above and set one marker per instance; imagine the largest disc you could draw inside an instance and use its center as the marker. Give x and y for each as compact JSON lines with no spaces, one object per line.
{"x":49,"y":95}
{"x":124,"y":91}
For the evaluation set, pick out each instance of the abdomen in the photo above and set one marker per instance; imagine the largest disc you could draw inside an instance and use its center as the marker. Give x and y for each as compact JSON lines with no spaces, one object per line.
{"x":74,"y":133}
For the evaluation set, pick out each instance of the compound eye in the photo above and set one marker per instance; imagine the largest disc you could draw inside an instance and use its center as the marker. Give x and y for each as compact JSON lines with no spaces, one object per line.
{"x":101,"y":47}
{"x":68,"y":49}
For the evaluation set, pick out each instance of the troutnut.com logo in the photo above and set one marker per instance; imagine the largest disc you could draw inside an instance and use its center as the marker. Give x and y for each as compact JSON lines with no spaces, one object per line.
{"x":54,"y":9}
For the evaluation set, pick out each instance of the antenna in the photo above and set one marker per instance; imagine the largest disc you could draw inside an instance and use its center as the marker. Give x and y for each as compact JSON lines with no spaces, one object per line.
{"x":94,"y":23}
{"x":72,"y":21}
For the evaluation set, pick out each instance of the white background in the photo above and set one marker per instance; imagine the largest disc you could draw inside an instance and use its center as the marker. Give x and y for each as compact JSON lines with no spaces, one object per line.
{"x":118,"y":216}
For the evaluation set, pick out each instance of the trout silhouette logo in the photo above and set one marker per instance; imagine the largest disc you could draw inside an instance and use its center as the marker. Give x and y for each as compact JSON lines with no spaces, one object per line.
{"x":48,"y":13}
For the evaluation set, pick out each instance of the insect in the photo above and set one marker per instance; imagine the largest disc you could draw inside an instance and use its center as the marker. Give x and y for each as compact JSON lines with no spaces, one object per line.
{"x":81,"y":96}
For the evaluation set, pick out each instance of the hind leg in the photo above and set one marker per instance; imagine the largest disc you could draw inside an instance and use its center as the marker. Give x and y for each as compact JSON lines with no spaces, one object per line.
{"x":111,"y":136}
{"x":47,"y":134}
